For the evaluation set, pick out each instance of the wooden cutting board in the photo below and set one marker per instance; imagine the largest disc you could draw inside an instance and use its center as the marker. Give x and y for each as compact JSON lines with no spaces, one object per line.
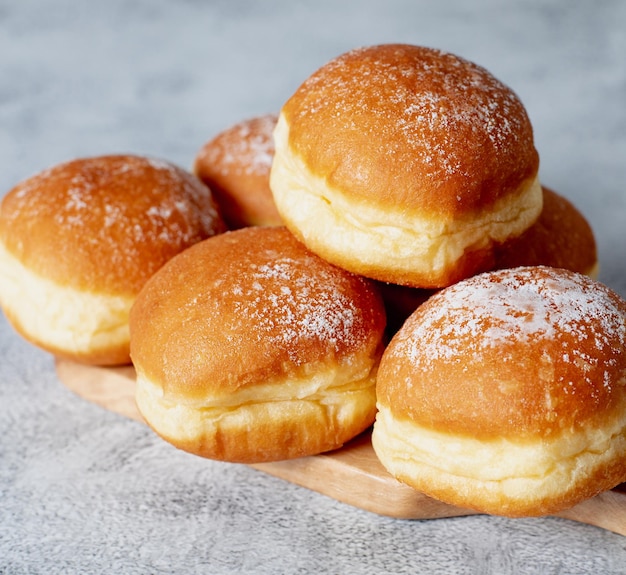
{"x":351,"y":474}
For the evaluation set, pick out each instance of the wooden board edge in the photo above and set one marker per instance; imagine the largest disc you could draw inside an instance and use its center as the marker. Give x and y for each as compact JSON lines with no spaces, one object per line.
{"x":332,"y":474}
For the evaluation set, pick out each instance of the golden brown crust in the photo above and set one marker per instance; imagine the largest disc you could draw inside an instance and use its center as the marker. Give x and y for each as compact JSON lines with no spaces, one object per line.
{"x":245,"y":307}
{"x":560,"y":238}
{"x":248,"y":347}
{"x":506,"y":393}
{"x":400,"y":125}
{"x":236,"y":164}
{"x":406,"y":165}
{"x":106,"y":224}
{"x":524,"y":352}
{"x":79,"y":240}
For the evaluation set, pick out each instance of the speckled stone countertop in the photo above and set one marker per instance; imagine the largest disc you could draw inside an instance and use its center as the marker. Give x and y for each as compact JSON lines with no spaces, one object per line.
{"x":83,"y":490}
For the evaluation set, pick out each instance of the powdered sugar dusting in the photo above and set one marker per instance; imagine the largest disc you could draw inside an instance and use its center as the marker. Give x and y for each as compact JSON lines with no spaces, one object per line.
{"x":247,"y":147}
{"x":295,"y":303}
{"x":412,"y":108}
{"x":100,"y":188}
{"x":114,"y":208}
{"x":523,"y":306}
{"x":449,"y":96}
{"x":291,"y":303}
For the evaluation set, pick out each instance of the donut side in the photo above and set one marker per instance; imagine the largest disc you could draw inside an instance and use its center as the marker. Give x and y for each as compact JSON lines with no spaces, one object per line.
{"x":87,"y":327}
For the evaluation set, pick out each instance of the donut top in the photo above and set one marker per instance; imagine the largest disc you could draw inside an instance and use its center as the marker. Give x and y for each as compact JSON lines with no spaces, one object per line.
{"x":245,"y":148}
{"x":236,"y":165}
{"x":531,"y":350}
{"x":411,"y":126}
{"x":106,"y":223}
{"x":247,"y":306}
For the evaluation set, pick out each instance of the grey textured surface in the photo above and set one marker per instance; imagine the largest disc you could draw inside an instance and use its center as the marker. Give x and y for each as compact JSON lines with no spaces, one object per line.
{"x":85,"y":491}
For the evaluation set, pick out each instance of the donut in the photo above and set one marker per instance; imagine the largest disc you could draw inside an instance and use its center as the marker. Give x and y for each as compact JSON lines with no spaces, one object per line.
{"x":405,"y":164}
{"x":79,"y":240}
{"x":235,"y":164}
{"x":250,"y":348}
{"x":561,"y":238}
{"x":506,"y":393}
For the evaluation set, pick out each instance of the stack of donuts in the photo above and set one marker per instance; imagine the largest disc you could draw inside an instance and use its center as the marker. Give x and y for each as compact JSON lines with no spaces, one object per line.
{"x":379,"y":254}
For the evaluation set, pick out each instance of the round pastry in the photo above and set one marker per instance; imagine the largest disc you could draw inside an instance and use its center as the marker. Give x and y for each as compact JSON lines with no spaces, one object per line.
{"x":79,"y":240}
{"x":405,"y":164}
{"x":506,"y":394}
{"x":560,"y":238}
{"x":236,"y":164}
{"x":250,"y":348}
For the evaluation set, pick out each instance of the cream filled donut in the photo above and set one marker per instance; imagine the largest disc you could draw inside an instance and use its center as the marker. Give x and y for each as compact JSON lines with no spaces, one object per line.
{"x":236,"y":164}
{"x":506,"y":393}
{"x":405,"y":164}
{"x":250,"y":348}
{"x":79,"y":240}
